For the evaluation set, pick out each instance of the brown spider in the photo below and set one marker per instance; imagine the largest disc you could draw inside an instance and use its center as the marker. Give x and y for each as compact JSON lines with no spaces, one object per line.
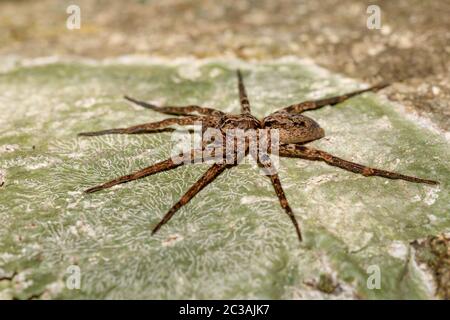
{"x":294,"y":129}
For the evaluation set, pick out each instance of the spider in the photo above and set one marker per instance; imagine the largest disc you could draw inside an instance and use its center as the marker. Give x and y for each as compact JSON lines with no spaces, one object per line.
{"x":295,"y":130}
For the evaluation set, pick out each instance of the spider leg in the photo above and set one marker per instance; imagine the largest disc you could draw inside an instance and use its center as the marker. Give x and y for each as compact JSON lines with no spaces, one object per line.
{"x":155,"y":168}
{"x":316,"y":104}
{"x":212,"y":173}
{"x":177,"y":110}
{"x":276,"y":183}
{"x":245,"y":104}
{"x":165,"y":165}
{"x":299,"y":151}
{"x":153,"y":127}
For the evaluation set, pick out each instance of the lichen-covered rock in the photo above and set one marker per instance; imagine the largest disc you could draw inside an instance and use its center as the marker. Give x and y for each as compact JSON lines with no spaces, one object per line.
{"x":232,"y":240}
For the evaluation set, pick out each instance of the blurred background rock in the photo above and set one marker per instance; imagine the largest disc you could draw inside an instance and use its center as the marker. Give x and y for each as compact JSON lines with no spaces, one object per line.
{"x":413,"y":44}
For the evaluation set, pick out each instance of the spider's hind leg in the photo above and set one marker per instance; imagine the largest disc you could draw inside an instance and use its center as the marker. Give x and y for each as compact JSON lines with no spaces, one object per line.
{"x":195,"y":156}
{"x":157,"y":167}
{"x":209,"y":176}
{"x":176,"y":110}
{"x":154,"y":127}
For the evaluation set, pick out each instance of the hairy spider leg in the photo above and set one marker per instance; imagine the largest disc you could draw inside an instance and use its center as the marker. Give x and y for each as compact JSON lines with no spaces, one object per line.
{"x":300,"y":151}
{"x":195,"y":156}
{"x":165,"y":165}
{"x":153,"y":127}
{"x":245,"y":104}
{"x":209,"y":176}
{"x":316,"y":104}
{"x":276,"y":183}
{"x":177,"y":110}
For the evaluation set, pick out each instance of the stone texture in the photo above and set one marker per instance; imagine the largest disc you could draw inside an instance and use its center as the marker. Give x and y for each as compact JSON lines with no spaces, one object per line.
{"x":411,"y":49}
{"x":233,"y":240}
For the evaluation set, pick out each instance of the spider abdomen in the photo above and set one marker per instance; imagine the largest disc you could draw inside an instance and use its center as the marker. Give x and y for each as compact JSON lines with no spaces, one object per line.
{"x":294,"y":128}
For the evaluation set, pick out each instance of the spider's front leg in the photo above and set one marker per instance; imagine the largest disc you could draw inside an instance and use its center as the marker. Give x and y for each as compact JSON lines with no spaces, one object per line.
{"x":300,"y":151}
{"x":152,"y":127}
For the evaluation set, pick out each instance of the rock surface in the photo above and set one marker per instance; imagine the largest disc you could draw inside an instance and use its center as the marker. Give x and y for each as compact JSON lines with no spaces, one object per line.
{"x":232,"y":240}
{"x":411,"y":48}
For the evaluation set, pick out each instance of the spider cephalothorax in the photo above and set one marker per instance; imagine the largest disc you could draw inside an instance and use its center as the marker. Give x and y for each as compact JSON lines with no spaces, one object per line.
{"x":243,"y":122}
{"x":294,"y":131}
